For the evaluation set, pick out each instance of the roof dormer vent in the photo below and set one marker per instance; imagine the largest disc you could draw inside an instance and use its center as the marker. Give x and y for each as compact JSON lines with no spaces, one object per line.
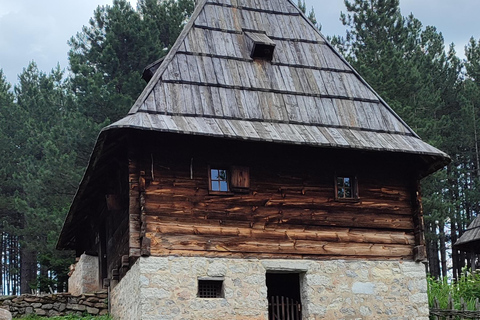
{"x":261,"y":45}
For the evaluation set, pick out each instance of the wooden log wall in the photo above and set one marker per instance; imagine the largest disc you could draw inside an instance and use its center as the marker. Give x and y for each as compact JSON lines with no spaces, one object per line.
{"x":290,"y":208}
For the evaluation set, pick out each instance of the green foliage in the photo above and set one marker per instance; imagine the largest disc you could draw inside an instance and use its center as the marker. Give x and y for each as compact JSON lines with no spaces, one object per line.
{"x":46,"y":149}
{"x":466,"y":289}
{"x":409,"y":67}
{"x":311,"y":15}
{"x":108,"y":57}
{"x":69,"y":317}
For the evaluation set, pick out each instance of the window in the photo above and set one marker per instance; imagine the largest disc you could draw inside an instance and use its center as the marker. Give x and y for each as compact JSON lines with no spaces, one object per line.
{"x":219,"y":180}
{"x":262,"y":47}
{"x":210,"y":288}
{"x":346,"y":188}
{"x":233,"y":179}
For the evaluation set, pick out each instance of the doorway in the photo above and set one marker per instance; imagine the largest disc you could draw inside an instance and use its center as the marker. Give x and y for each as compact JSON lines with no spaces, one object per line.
{"x":283,"y":292}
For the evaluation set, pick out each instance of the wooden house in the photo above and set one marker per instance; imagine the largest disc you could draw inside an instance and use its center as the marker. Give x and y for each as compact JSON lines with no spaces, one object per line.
{"x":470,"y":242}
{"x":257,"y":176}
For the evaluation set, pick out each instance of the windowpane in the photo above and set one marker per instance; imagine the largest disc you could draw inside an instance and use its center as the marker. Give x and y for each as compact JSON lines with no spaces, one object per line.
{"x":223,"y":186}
{"x":219,"y":180}
{"x":222,"y":174}
{"x":348,"y":193}
{"x":346,"y":187}
{"x":214,"y":173}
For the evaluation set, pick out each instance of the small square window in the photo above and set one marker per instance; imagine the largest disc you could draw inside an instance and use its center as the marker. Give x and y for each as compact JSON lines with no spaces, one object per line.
{"x":346,"y":188}
{"x":219,"y":180}
{"x":210,"y":288}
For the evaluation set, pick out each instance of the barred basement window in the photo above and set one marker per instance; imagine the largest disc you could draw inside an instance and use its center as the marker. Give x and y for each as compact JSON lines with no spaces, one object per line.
{"x":210,"y":288}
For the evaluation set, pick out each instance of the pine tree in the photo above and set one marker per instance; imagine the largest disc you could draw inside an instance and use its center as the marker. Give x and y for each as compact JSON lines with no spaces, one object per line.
{"x":408,"y":66}
{"x":108,"y":57}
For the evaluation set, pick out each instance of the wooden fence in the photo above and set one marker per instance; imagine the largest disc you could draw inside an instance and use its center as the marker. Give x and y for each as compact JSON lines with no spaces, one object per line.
{"x":284,"y":308}
{"x":436,"y":313}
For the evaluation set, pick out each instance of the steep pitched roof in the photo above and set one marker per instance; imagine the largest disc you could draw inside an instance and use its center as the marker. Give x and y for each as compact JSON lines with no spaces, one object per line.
{"x":308,"y":94}
{"x":470,"y":240}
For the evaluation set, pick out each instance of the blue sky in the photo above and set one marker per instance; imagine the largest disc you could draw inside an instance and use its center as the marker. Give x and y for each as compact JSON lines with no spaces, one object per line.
{"x":39,"y":30}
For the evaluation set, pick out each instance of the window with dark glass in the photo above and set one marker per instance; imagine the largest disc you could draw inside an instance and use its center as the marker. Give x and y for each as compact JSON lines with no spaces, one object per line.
{"x":346,"y":187}
{"x":219,"y":180}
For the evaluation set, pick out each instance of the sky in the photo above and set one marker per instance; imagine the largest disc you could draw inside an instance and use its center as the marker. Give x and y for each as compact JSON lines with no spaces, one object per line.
{"x":32,"y":30}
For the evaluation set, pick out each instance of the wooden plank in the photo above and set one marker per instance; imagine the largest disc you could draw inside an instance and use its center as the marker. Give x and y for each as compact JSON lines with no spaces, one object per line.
{"x":233,"y":68}
{"x":216,"y":102}
{"x":287,"y":78}
{"x":305,"y":133}
{"x":227,"y":74}
{"x":202,"y":19}
{"x":197,"y":100}
{"x":159,"y":96}
{"x":172,"y":72}
{"x":237,"y":244}
{"x":292,"y":108}
{"x":206,"y":101}
{"x":225,"y":127}
{"x":183,"y":67}
{"x":328,"y":107}
{"x":157,"y":122}
{"x":242,"y":111}
{"x":317,"y":135}
{"x":252,"y":105}
{"x":209,"y":71}
{"x":219,"y":73}
{"x":305,"y":116}
{"x":314,"y":117}
{"x":150,"y":103}
{"x":243,"y":73}
{"x":193,"y":67}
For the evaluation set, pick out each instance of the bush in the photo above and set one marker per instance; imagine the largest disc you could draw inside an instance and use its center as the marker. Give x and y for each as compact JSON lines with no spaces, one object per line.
{"x":466,"y":288}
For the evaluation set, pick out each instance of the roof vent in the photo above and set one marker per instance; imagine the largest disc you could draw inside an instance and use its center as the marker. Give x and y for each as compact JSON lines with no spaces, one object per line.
{"x":261,"y":45}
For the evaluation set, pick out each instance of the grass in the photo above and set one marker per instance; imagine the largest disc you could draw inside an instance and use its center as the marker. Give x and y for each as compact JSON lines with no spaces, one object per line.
{"x":466,"y":289}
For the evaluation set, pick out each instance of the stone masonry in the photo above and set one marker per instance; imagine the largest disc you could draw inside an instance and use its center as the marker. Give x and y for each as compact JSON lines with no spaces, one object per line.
{"x":84,"y":277}
{"x":60,"y":304}
{"x":166,"y":288}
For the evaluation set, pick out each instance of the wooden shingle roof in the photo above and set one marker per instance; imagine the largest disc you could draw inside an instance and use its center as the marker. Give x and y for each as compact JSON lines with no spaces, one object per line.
{"x":470,"y":240}
{"x":308,"y":94}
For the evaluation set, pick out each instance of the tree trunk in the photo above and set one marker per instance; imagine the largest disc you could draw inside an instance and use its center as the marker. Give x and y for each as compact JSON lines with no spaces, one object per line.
{"x":443,"y":248}
{"x":433,"y":262}
{"x":28,"y":270}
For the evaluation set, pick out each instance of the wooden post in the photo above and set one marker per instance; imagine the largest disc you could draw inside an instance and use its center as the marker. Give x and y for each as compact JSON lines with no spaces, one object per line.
{"x":419,"y":251}
{"x":134,"y":203}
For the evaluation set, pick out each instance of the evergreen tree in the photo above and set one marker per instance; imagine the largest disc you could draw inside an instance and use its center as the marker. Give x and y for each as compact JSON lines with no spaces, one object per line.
{"x":311,"y":15}
{"x":108,"y":57}
{"x":408,"y":66}
{"x":45,"y":131}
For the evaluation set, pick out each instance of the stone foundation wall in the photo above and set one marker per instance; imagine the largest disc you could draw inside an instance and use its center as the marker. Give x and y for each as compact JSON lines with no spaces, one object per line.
{"x":125,"y":296}
{"x":84,"y":278}
{"x":337,"y":289}
{"x":56,"y":304}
